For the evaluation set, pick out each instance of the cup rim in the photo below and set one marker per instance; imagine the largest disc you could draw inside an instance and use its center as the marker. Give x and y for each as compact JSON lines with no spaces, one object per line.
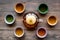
{"x":39,"y":35}
{"x":7,"y":21}
{"x":41,"y":11}
{"x":50,"y":23}
{"x":20,"y":11}
{"x":16,"y":34}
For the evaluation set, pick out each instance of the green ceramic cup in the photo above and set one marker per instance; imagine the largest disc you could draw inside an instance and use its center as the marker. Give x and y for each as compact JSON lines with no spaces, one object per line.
{"x":43,"y":8}
{"x":9,"y":19}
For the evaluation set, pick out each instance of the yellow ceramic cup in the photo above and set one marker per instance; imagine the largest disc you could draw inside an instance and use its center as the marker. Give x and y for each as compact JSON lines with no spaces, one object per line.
{"x":19,"y":7}
{"x":19,"y":32}
{"x":52,"y":20}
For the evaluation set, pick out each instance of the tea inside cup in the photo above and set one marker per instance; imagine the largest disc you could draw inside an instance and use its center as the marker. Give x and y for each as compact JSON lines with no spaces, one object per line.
{"x":52,"y":20}
{"x":42,"y":32}
{"x":19,"y":32}
{"x":9,"y":19}
{"x":43,"y":8}
{"x":19,"y":8}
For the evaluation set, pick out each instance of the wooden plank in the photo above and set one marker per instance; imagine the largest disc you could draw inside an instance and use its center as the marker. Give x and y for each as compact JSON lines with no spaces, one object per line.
{"x":7,"y":7}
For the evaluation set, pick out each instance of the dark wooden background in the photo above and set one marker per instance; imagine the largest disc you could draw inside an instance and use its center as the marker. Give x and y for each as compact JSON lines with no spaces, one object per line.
{"x":7,"y":31}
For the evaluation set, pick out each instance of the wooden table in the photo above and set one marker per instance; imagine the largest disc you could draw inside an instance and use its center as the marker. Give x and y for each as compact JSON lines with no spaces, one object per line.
{"x":7,"y":31}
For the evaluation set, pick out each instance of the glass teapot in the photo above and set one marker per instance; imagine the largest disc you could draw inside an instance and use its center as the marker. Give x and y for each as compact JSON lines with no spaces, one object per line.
{"x":31,"y":20}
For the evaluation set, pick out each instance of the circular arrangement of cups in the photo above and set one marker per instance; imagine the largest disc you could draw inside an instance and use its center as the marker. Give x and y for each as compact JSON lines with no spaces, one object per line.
{"x":7,"y":21}
{"x":19,"y":35}
{"x":54,"y":22}
{"x":43,"y":8}
{"x":43,"y":35}
{"x":19,"y":6}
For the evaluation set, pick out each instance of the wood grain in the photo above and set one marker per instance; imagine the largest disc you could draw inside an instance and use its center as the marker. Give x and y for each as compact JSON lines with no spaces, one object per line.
{"x":7,"y":7}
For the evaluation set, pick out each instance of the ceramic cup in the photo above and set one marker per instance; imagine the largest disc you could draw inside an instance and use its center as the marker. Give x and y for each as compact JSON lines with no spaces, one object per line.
{"x":20,"y":32}
{"x":41,"y":32}
{"x":9,"y":19}
{"x":19,"y":7}
{"x":52,"y":20}
{"x":43,"y":8}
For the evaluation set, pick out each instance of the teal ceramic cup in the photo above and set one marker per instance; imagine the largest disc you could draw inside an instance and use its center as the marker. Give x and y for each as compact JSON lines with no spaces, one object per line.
{"x":43,"y":8}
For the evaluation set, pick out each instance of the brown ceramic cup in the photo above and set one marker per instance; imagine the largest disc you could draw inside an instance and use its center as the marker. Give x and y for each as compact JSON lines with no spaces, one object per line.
{"x":41,"y":32}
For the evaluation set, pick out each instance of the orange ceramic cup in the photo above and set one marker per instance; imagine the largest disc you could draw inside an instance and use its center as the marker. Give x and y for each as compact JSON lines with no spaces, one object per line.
{"x":19,"y":7}
{"x":52,"y":20}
